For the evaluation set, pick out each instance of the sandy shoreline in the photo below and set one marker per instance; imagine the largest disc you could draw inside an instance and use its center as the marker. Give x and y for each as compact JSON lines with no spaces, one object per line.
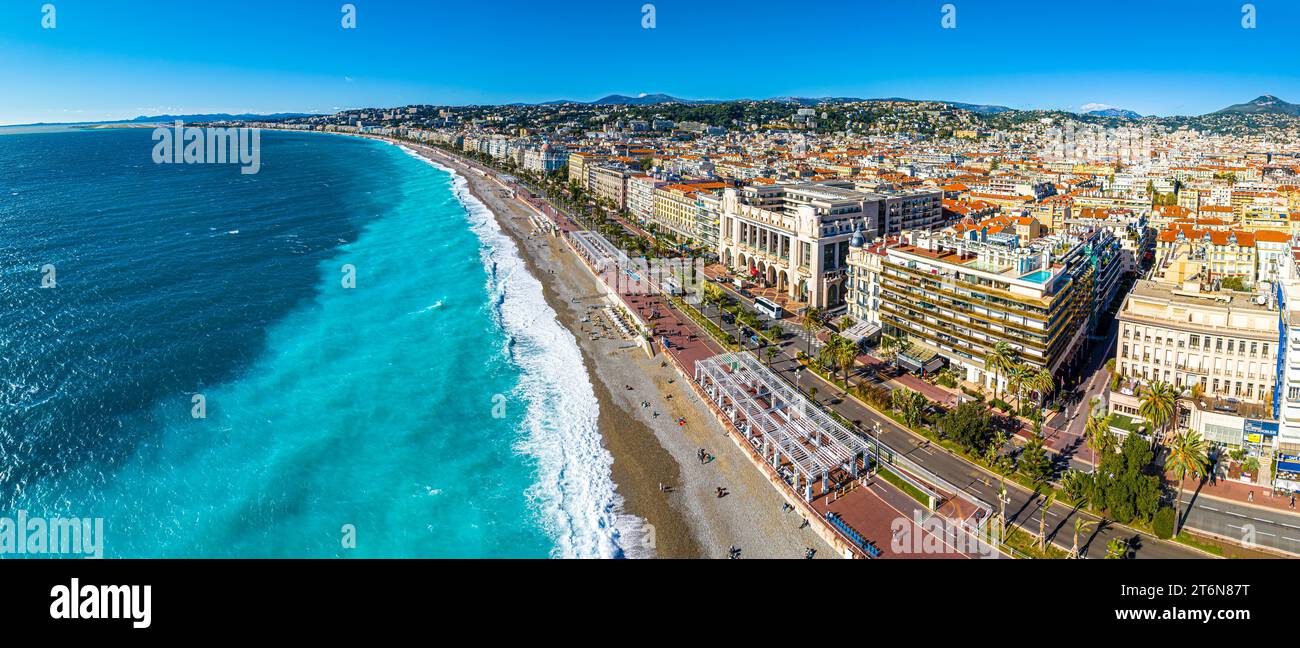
{"x":689,"y":520}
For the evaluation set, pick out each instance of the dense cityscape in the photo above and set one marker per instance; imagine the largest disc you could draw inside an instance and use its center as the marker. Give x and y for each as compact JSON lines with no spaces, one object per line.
{"x":1041,"y":291}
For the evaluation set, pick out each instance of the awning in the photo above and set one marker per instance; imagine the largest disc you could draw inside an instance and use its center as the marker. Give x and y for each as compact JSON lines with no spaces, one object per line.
{"x":860,"y":331}
{"x":1287,"y":466}
{"x":920,"y":359}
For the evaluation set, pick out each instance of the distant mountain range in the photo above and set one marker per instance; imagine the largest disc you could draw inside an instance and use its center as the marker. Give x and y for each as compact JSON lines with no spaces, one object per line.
{"x":659,"y":98}
{"x":1266,"y":104}
{"x":1263,"y":105}
{"x":1114,"y":112}
{"x":195,"y":119}
{"x":624,"y":100}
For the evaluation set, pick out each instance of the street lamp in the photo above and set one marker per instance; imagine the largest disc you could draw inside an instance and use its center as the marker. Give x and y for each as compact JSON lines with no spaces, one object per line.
{"x":875,"y":427}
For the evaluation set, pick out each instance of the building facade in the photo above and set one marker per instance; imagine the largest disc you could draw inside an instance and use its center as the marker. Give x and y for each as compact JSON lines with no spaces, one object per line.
{"x":795,"y":238}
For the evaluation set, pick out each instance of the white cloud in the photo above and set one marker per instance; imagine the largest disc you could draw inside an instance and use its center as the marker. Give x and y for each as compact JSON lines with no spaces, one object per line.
{"x":1089,"y":107}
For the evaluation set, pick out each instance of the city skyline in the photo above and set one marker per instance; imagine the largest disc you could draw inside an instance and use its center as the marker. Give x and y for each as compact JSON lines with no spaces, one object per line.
{"x":102,"y":63}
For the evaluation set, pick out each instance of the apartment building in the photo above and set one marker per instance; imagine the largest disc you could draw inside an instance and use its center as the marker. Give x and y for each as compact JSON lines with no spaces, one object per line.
{"x":1221,"y":344}
{"x":796,"y":237}
{"x":960,"y":294}
{"x":1053,"y":212}
{"x":609,"y":183}
{"x":906,"y":209}
{"x":641,"y":196}
{"x":1137,"y":239}
{"x":1225,"y":253}
{"x":579,"y":167}
{"x":677,"y":208}
{"x":545,"y":159}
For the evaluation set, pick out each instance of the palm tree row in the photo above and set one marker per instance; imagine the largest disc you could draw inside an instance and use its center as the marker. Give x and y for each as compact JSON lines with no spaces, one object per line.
{"x":1004,"y":362}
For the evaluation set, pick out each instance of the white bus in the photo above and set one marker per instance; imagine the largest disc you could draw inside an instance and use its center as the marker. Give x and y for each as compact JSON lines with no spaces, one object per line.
{"x":768,"y":308}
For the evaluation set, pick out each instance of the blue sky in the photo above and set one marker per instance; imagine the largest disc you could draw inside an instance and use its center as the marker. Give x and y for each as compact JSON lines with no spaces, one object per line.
{"x":113,"y":60}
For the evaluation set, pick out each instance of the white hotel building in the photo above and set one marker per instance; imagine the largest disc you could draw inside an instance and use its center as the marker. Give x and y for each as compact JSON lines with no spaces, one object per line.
{"x":796,"y":237}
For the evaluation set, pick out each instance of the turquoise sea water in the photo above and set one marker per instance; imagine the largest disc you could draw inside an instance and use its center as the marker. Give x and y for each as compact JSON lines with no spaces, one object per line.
{"x":437,"y":407}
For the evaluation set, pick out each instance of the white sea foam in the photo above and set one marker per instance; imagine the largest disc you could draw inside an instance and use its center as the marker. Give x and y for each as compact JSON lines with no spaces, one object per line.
{"x":575,"y":492}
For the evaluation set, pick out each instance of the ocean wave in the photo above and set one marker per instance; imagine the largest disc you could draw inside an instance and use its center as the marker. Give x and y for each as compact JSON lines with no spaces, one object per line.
{"x":575,"y":491}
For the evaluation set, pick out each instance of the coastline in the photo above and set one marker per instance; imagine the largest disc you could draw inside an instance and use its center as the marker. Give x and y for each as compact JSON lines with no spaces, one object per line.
{"x":689,"y":520}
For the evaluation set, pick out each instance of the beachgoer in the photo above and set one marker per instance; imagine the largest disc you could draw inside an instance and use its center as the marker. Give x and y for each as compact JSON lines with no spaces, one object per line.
{"x":1250,"y":496}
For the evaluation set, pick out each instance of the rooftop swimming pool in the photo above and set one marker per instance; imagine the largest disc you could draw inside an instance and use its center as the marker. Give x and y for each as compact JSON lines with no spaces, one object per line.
{"x":1038,"y":277}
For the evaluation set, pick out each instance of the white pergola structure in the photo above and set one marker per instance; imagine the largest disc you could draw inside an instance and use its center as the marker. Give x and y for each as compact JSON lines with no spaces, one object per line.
{"x":780,"y":423}
{"x":614,"y":267}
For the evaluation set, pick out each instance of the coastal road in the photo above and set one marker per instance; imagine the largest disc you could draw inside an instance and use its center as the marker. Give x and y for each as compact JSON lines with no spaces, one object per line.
{"x":1272,"y":529}
{"x":1023,"y":506}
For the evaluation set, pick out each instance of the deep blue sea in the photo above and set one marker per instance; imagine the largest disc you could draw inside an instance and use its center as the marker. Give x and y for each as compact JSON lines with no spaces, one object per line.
{"x":437,"y":407}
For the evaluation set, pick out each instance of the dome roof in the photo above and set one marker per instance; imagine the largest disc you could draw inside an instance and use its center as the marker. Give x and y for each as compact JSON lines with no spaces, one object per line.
{"x":858,"y":239}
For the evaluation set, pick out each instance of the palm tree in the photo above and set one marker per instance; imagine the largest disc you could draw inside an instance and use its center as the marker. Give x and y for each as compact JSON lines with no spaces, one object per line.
{"x":1098,"y":436}
{"x":1116,"y":549}
{"x":1017,"y":376}
{"x":887,"y":347}
{"x":1186,"y":455}
{"x":1158,"y":403}
{"x":999,"y":359}
{"x":1042,"y":381}
{"x":812,"y":320}
{"x":1042,"y":521}
{"x":770,"y":352}
{"x":845,"y":354}
{"x":1081,"y":526}
{"x":909,"y":404}
{"x":845,"y":323}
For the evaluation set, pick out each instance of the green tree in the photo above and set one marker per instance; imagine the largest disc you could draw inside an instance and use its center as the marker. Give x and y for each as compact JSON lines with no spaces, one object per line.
{"x":1117,"y":549}
{"x":1017,"y":376}
{"x":1122,"y":485}
{"x":910,"y":405}
{"x":1035,"y":463}
{"x":1099,"y":437}
{"x":1082,"y":526}
{"x":1157,"y":404}
{"x":999,"y":359}
{"x":845,"y":354}
{"x":770,"y":352}
{"x":1043,"y":382}
{"x":969,"y":425}
{"x":812,"y":320}
{"x":1186,"y":455}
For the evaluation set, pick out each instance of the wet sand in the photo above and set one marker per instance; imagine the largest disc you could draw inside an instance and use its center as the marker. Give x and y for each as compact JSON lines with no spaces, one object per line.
{"x":688,"y":520}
